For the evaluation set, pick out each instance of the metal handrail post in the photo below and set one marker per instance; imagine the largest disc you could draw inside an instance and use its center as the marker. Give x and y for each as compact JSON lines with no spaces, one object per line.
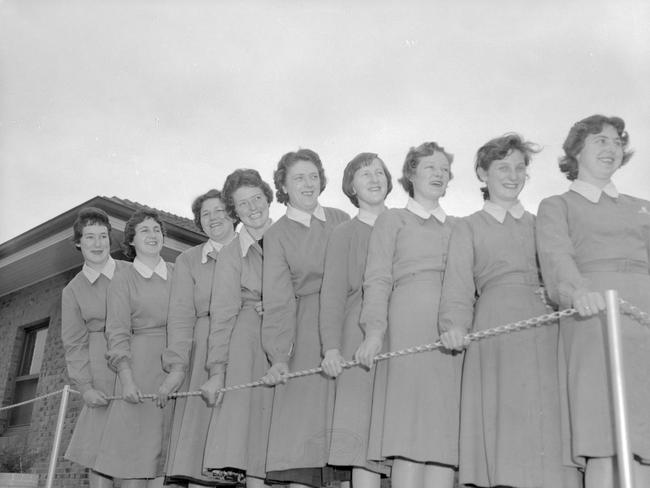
{"x":63,"y":406}
{"x":616,"y":373}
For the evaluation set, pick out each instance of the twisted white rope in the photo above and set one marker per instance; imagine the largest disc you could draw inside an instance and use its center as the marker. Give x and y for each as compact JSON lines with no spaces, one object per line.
{"x":472,"y":337}
{"x":635,"y":312}
{"x":627,"y":308}
{"x":32,"y":400}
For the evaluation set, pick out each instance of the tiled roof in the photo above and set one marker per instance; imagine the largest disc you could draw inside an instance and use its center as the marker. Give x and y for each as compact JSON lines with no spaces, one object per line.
{"x":170,"y":218}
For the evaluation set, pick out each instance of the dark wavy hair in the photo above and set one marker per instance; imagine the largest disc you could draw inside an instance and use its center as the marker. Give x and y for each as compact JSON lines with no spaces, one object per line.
{"x":89,"y":216}
{"x":129,"y":229}
{"x":239,"y":178}
{"x":359,"y":161}
{"x":288,"y":160}
{"x":498,"y":148}
{"x":413,"y":159}
{"x":575,"y":141}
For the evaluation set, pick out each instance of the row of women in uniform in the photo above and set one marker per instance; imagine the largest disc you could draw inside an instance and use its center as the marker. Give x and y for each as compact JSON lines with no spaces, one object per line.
{"x":528,"y":409}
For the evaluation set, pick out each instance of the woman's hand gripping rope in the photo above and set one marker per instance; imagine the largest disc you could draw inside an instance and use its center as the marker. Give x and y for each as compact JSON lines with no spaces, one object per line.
{"x":627,"y":308}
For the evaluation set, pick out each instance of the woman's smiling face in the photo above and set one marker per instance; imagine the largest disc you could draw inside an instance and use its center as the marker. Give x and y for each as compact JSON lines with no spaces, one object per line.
{"x":370,"y":183}
{"x":148,"y":238}
{"x":505,"y":178}
{"x":431,"y":176}
{"x":601,"y":156}
{"x":251,"y":206}
{"x":302,"y":184}
{"x":95,"y":244}
{"x":214,"y":220}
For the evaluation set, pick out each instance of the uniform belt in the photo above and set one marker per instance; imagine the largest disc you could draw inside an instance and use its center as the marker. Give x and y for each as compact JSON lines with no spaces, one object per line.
{"x":615,"y":266}
{"x":150,"y":331}
{"x":429,"y":275}
{"x":521,"y":279}
{"x":306,"y":294}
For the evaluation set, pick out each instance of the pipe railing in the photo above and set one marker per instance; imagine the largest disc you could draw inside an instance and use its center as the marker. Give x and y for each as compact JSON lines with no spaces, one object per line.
{"x":616,"y":370}
{"x":617,"y":378}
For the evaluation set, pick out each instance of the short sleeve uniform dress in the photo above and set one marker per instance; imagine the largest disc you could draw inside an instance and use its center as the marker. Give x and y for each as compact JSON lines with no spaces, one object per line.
{"x":136,"y":320}
{"x":83,"y":305}
{"x":599,"y":239}
{"x":510,"y":407}
{"x":340,"y":310}
{"x":187,"y":331}
{"x":239,"y":429}
{"x":294,"y":256}
{"x":417,"y":413}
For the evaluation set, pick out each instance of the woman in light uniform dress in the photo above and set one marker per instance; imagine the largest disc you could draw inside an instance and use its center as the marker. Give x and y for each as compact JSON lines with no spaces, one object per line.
{"x":415,"y":417}
{"x":366,"y":182}
{"x":294,"y":259}
{"x":510,"y":408}
{"x":239,"y":429}
{"x":590,"y":239}
{"x":83,"y":306}
{"x":187,"y":338}
{"x":137,"y":430}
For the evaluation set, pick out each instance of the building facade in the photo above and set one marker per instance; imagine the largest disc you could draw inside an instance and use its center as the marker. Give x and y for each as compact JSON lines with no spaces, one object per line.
{"x":34,"y":269}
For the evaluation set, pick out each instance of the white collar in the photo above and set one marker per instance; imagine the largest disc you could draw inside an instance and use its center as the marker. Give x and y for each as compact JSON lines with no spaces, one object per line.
{"x":246,"y":240}
{"x":592,"y":192}
{"x":303,"y":217}
{"x":93,"y":275}
{"x":146,"y":272}
{"x":213,"y":247}
{"x":420,"y":211}
{"x":499,"y":213}
{"x":367,"y":217}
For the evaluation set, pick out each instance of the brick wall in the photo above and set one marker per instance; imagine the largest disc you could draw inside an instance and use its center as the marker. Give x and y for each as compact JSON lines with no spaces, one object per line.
{"x":23,"y":308}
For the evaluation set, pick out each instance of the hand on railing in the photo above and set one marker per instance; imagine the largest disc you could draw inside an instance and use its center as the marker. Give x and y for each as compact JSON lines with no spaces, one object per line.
{"x":588,"y":303}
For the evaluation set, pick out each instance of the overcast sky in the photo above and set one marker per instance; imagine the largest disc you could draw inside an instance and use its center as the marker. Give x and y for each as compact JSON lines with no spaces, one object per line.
{"x":157,"y":101}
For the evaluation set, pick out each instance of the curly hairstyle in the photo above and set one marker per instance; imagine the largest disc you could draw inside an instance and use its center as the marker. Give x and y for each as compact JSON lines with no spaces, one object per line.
{"x":413,"y":159}
{"x":288,"y":160}
{"x":198,"y":203}
{"x":129,"y":229}
{"x":575,"y":141}
{"x":239,"y":178}
{"x":360,"y":161}
{"x":498,"y":148}
{"x":89,"y":216}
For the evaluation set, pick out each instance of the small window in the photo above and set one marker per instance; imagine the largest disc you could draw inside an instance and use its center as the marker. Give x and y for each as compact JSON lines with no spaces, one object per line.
{"x":29,"y":368}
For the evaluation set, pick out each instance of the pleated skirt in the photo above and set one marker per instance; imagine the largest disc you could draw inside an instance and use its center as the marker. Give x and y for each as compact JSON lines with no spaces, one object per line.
{"x":191,"y":415}
{"x":510,"y":408}
{"x":239,"y":429}
{"x":416,"y":416}
{"x":89,"y":428}
{"x":586,"y":400}
{"x":137,"y":435}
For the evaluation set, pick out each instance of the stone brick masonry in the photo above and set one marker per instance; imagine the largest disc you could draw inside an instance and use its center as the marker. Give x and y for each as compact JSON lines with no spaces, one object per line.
{"x":23,"y":308}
